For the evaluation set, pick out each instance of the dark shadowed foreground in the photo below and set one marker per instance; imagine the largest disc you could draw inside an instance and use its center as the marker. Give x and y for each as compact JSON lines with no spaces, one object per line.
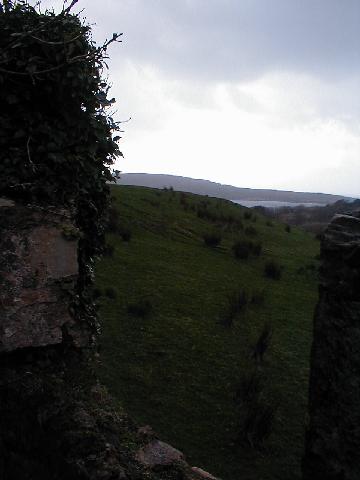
{"x":57,"y":422}
{"x":333,"y":439}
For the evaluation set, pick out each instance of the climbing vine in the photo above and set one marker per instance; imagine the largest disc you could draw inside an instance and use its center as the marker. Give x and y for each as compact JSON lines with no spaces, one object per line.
{"x":57,"y":139}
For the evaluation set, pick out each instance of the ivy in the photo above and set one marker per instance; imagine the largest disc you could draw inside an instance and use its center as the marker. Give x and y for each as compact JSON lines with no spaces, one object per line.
{"x":57,"y":140}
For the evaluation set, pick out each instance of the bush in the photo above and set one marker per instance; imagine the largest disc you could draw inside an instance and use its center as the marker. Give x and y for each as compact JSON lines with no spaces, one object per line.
{"x":212,"y":239}
{"x":126,"y":235}
{"x":258,"y":424}
{"x":243,"y":248}
{"x":249,"y":389}
{"x":236,"y":302}
{"x":183,"y":199}
{"x":272,"y":270}
{"x":56,"y":140}
{"x":247,"y":215}
{"x":256,"y":249}
{"x":97,"y":293}
{"x":250,"y":231}
{"x":142,"y":308}
{"x":287,"y":228}
{"x":258,"y":297}
{"x":269,"y":223}
{"x":262,"y":343}
{"x":110,"y":292}
{"x":239,"y":225}
{"x":256,"y":416}
{"x":108,"y":251}
{"x":113,"y":223}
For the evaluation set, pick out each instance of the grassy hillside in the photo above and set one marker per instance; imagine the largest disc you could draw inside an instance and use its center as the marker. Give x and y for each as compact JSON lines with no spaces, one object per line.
{"x":178,"y":351}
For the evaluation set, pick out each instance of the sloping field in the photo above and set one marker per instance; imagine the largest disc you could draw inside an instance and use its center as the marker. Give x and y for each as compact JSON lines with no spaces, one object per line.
{"x":182,"y":324}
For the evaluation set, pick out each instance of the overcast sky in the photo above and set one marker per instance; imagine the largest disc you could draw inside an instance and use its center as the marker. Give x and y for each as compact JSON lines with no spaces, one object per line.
{"x":253,"y":93}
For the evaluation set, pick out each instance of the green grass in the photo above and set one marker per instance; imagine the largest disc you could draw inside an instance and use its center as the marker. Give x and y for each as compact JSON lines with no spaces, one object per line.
{"x":178,"y":367}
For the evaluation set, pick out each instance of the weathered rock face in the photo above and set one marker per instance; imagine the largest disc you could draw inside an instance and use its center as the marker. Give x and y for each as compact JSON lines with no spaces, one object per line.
{"x":38,"y":272}
{"x":333,"y":438}
{"x":157,"y":453}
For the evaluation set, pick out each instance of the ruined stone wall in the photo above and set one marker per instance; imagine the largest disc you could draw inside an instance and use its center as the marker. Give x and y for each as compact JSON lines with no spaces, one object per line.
{"x":38,"y":276}
{"x":333,"y":438}
{"x":56,"y":421}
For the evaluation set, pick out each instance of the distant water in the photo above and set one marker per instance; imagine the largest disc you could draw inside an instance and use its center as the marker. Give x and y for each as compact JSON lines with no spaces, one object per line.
{"x":274,"y":203}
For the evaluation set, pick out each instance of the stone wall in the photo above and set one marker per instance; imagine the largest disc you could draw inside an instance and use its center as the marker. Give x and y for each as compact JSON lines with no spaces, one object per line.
{"x":333,"y":438}
{"x":56,"y":421}
{"x":38,"y":276}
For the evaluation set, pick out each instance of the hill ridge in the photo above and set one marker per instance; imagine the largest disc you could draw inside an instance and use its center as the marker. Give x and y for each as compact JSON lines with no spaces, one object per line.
{"x":229,"y":192}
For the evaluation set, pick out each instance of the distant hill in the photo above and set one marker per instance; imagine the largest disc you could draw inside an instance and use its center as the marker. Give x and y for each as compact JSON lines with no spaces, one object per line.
{"x":212,"y":189}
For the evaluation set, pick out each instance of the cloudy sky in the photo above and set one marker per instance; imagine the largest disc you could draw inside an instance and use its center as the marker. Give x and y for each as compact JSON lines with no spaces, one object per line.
{"x":253,"y":93}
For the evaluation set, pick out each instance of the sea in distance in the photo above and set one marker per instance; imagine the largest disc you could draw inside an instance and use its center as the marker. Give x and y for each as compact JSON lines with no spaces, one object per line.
{"x":275,"y":204}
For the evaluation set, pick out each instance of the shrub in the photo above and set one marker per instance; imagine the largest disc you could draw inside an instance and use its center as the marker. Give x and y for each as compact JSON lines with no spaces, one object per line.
{"x":239,"y":225}
{"x":183,"y":199}
{"x":258,"y":297}
{"x":262,"y":343}
{"x":269,"y":223}
{"x":287,"y":228}
{"x":126,"y":235}
{"x":258,"y":424}
{"x":111,"y":293}
{"x":212,"y":239}
{"x":236,"y":302}
{"x":113,"y":221}
{"x":142,"y":308}
{"x":249,"y":389}
{"x":256,"y":248}
{"x":97,"y":293}
{"x":272,"y":270}
{"x":247,"y":215}
{"x":108,"y":251}
{"x":241,"y":249}
{"x":250,"y":231}
{"x":56,"y":138}
{"x":255,"y":416}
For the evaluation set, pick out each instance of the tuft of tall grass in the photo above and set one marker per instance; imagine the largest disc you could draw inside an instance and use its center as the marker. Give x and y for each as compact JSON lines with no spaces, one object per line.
{"x":242,"y":249}
{"x":256,"y":415}
{"x":236,"y":303}
{"x":212,"y":239}
{"x":142,"y":308}
{"x":272,"y":270}
{"x":262,"y":344}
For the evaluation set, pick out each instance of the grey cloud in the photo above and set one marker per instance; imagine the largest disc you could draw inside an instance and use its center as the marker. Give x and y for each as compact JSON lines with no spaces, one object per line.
{"x":239,"y":40}
{"x":235,"y":41}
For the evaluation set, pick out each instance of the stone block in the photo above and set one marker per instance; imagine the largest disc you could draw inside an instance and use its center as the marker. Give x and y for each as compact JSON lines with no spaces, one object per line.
{"x":38,"y":272}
